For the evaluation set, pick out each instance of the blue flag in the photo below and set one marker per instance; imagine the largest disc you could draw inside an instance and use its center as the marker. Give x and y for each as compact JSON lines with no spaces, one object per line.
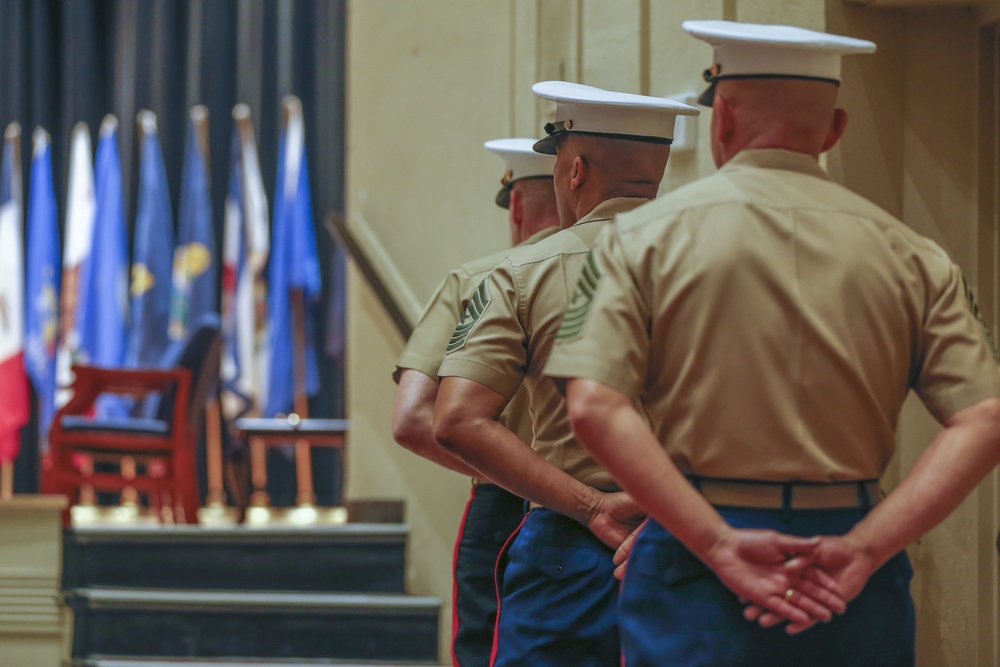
{"x":104,"y":281}
{"x":194,"y":289}
{"x":44,"y":273}
{"x":294,"y":265}
{"x":153,"y":255}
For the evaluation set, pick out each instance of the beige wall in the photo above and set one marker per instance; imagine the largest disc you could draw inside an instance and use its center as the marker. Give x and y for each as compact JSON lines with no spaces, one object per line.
{"x":429,"y":82}
{"x":912,"y":146}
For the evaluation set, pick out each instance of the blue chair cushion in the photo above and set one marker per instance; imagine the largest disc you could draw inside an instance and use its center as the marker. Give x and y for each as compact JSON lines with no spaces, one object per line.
{"x":132,"y":425}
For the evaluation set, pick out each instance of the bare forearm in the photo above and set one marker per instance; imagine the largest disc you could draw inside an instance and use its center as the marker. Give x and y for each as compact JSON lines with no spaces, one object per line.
{"x":964,"y":452}
{"x":423,"y":444}
{"x":619,"y":438}
{"x":465,"y":423}
{"x":506,"y":460}
{"x":413,"y":421}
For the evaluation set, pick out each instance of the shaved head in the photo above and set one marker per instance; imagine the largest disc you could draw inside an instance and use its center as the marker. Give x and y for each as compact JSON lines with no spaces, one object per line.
{"x":532,"y":208}
{"x":624,"y":163}
{"x":594,"y":168}
{"x":794,"y":114}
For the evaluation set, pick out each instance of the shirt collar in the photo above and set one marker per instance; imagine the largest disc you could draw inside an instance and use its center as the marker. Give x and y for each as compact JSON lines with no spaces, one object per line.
{"x":609,"y":208}
{"x":539,"y":235}
{"x":776,"y":158}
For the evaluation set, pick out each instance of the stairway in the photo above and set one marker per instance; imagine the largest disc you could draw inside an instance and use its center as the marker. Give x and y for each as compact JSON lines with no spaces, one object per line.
{"x":192,"y":596}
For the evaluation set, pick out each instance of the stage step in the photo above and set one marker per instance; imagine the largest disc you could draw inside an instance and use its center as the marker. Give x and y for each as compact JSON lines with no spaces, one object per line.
{"x":231,"y":624}
{"x":365,"y":558}
{"x":197,"y":662}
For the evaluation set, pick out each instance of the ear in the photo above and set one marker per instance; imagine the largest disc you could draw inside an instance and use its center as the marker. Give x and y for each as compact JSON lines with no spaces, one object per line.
{"x":836,"y":130}
{"x":516,"y":208}
{"x":577,"y":173}
{"x":723,"y":122}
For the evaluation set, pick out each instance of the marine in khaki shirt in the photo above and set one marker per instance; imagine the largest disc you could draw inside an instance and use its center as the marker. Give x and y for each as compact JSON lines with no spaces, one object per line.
{"x":526,"y":193}
{"x":492,"y":514}
{"x":558,"y":593}
{"x":505,"y":339}
{"x":426,"y":346}
{"x":772,"y":323}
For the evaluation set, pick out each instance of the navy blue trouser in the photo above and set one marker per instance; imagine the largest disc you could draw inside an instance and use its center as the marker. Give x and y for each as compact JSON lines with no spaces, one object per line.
{"x":559,"y":597}
{"x":491,"y":516}
{"x":675,"y":611}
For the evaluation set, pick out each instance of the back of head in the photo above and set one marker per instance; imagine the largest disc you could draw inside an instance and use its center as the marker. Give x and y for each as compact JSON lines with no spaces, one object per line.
{"x":773,"y":86}
{"x":526,"y":187}
{"x":538,"y":205}
{"x":620,"y":167}
{"x":607,"y":144}
{"x":794,"y":114}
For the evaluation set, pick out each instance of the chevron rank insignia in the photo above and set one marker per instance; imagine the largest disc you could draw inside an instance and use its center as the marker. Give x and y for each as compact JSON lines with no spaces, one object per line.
{"x":477,"y":305}
{"x":970,"y":299}
{"x":583,"y":297}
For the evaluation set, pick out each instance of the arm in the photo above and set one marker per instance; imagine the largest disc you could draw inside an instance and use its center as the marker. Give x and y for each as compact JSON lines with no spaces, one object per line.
{"x":413,"y":421}
{"x":965,"y":451}
{"x":758,"y":565}
{"x":465,"y":423}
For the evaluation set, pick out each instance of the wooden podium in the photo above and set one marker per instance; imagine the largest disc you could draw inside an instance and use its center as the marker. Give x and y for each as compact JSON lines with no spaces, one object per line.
{"x":34,"y":622}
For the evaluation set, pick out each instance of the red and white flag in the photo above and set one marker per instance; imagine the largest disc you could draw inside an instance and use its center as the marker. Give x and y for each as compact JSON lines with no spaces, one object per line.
{"x":79,"y":234}
{"x":245,"y":358}
{"x":15,"y":408}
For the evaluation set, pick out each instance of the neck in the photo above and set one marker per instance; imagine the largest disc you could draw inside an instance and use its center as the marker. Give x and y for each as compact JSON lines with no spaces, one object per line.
{"x":588,"y":201}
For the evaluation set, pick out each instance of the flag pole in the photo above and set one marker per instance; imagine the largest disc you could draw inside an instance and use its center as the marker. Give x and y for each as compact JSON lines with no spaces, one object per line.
{"x":305,"y":497}
{"x":129,"y":500}
{"x":216,"y":509}
{"x":6,"y":480}
{"x":259,"y":509}
{"x":303,"y":453}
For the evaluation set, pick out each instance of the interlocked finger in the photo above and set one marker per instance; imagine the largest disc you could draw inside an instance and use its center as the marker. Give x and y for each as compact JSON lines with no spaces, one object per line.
{"x":799,"y":599}
{"x":823,"y":596}
{"x":786,"y":610}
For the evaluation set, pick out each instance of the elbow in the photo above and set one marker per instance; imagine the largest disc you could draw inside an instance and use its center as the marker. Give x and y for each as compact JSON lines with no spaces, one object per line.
{"x":991,"y":413}
{"x":403,"y":432}
{"x":585,"y":408}
{"x":446,"y":430}
{"x":410,"y":430}
{"x":985,"y":415}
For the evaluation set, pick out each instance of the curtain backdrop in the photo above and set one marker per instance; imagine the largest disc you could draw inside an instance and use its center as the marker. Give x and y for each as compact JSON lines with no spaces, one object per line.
{"x":64,"y":61}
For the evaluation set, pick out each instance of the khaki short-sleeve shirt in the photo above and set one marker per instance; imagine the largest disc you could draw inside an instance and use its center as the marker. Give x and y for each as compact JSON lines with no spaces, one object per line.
{"x":772,"y":323}
{"x":506,"y":334}
{"x":426,"y":347}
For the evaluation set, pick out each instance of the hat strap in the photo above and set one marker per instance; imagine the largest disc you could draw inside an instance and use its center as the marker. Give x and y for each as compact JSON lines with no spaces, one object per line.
{"x":799,"y":77}
{"x":550,"y":128}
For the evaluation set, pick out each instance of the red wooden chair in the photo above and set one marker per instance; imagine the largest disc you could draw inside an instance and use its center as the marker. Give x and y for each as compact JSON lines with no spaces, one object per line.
{"x":165,"y":445}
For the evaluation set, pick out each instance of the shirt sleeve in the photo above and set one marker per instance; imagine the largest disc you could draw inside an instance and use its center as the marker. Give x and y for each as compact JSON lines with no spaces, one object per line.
{"x":604,"y":334}
{"x":425,"y":348}
{"x":957,"y":366}
{"x":488,"y":345}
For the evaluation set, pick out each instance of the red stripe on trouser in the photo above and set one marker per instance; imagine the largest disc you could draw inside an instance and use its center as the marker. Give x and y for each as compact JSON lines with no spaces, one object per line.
{"x":454,"y":578}
{"x":496,"y":579}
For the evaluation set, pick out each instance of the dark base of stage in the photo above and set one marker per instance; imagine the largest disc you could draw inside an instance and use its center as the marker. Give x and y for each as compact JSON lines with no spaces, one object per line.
{"x":152,"y":596}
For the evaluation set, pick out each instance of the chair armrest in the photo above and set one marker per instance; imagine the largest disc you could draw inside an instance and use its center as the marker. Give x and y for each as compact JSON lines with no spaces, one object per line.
{"x":92,"y":381}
